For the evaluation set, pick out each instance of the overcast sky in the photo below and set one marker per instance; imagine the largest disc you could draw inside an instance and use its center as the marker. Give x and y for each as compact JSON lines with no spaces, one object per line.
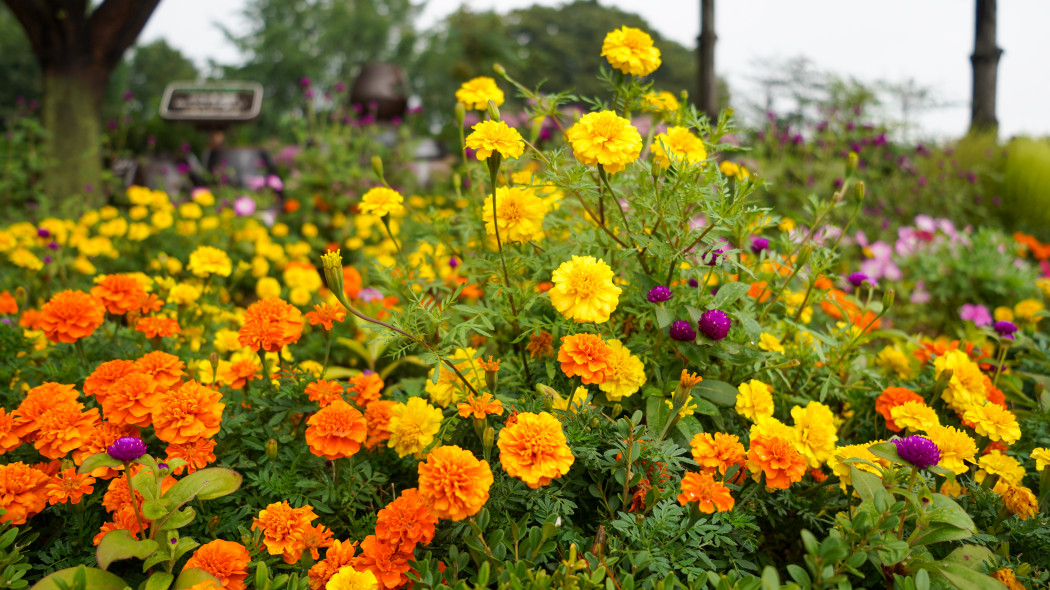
{"x":928,"y":41}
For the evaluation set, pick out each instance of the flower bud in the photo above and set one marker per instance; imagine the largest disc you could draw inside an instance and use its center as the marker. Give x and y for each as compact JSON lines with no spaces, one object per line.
{"x":271,"y":449}
{"x":461,"y":114}
{"x":535,"y":129}
{"x":852,"y":161}
{"x":887,"y":300}
{"x":377,"y":167}
{"x":859,"y":190}
{"x":213,"y":524}
{"x":500,"y":70}
{"x":493,"y":110}
{"x":488,"y":437}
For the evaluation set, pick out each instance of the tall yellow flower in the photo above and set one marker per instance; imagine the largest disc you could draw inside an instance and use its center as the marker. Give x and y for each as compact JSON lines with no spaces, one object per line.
{"x":381,"y":201}
{"x":631,"y":51}
{"x":815,"y":434}
{"x":475,"y":94}
{"x":584,"y":291}
{"x":625,"y":375}
{"x":754,"y":400}
{"x":680,"y":143}
{"x":605,"y":139}
{"x":413,"y":425}
{"x":495,"y":136}
{"x":519,"y":213}
{"x":995,"y":422}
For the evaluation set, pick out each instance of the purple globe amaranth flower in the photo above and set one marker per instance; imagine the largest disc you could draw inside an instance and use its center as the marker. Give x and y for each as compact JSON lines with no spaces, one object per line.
{"x":127,"y":449}
{"x":715,"y":324}
{"x":1005,"y":329}
{"x":43,"y":232}
{"x":858,"y":278}
{"x":694,"y":282}
{"x":683,"y":331}
{"x":918,"y":450}
{"x":660,"y":294}
{"x":759,"y":244}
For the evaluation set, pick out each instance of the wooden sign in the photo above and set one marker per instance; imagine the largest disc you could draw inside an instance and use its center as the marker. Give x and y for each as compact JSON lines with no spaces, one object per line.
{"x":212,"y":102}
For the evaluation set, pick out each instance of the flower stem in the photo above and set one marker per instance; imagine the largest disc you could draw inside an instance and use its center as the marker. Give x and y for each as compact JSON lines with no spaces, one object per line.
{"x":327,"y":352}
{"x":134,"y":505}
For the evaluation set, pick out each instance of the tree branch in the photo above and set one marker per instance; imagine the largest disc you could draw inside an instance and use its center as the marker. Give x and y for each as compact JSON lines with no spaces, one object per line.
{"x":115,"y":25}
{"x":32,"y":18}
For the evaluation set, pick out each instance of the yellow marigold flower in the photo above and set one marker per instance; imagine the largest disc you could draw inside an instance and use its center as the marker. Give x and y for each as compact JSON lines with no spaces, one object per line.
{"x":1044,"y":286}
{"x":915,"y":416}
{"x":815,"y":434}
{"x":475,"y":94}
{"x":347,"y":578}
{"x":495,"y":136}
{"x":966,"y":388}
{"x":534,"y":449}
{"x":412,"y":426}
{"x":770,"y":426}
{"x":1006,"y":576}
{"x":268,"y":287}
{"x":184,"y":294}
{"x":625,"y":373}
{"x":190,"y":211}
{"x":1003,"y":314}
{"x":688,"y":409}
{"x":660,"y":101}
{"x":956,"y":447}
{"x":1018,"y":499}
{"x":1026,"y":310}
{"x":754,"y":400}
{"x":770,"y":343}
{"x":573,"y":403}
{"x":446,"y":387}
{"x":733,"y":170}
{"x":995,"y":422}
{"x":206,"y":260}
{"x":842,"y":469}
{"x":1042,"y":458}
{"x":631,"y":51}
{"x":25,"y":259}
{"x":605,"y":139}
{"x":679,"y":143}
{"x":519,"y":213}
{"x":381,"y":201}
{"x":1006,"y":467}
{"x":584,"y":291}
{"x":893,"y":359}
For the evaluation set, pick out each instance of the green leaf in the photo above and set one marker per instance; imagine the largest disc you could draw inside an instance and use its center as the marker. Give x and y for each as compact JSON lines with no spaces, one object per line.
{"x":938,"y":533}
{"x":728,"y":293}
{"x":192,"y":576}
{"x":178,"y":519}
{"x":888,"y":451}
{"x":120,"y":545}
{"x":867,"y":484}
{"x":184,"y":545}
{"x":770,"y":578}
{"x":719,"y":392}
{"x":98,"y":460}
{"x":206,"y":484}
{"x":751,"y":327}
{"x":154,"y":509}
{"x":971,"y":556}
{"x":664,"y":317}
{"x":964,"y":578}
{"x":96,"y":579}
{"x":946,"y":510}
{"x":159,"y":581}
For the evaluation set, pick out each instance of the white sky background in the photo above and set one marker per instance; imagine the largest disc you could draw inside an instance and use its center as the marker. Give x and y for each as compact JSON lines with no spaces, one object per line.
{"x":928,"y":41}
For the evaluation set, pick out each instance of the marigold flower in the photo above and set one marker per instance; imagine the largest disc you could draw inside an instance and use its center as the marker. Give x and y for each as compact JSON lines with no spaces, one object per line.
{"x":894,"y":359}
{"x":1006,"y":576}
{"x":892,"y":397}
{"x":347,"y":578}
{"x":956,"y":447}
{"x":208,"y":260}
{"x":130,"y":401}
{"x":309,"y":538}
{"x":185,"y":414}
{"x":754,"y":400}
{"x":9,"y":440}
{"x":70,"y":315}
{"x":119,"y":293}
{"x":994,"y":421}
{"x":339,"y":555}
{"x":226,"y":560}
{"x":8,"y":305}
{"x":679,"y":143}
{"x":717,"y":452}
{"x":625,"y":374}
{"x":365,"y":388}
{"x":383,"y":561}
{"x":380,"y":201}
{"x":605,"y":139}
{"x":495,"y":136}
{"x":279,"y":522}
{"x":480,"y":406}
{"x":583,"y":290}
{"x":842,"y":469}
{"x":413,"y":425}
{"x":240,"y":373}
{"x":914,"y":415}
{"x":325,"y":315}
{"x":270,"y":324}
{"x":69,"y":486}
{"x":336,"y":431}
{"x":454,"y":483}
{"x":815,"y":434}
{"x":534,"y":449}
{"x":165,"y":368}
{"x":377,"y":418}
{"x":710,"y":495}
{"x":406,"y":522}
{"x":586,"y":355}
{"x":660,"y":101}
{"x":23,"y":492}
{"x":1042,"y":458}
{"x":197,"y":454}
{"x":540,"y":345}
{"x":64,"y":428}
{"x":781,"y":462}
{"x":105,"y":375}
{"x":966,"y":387}
{"x":324,"y":392}
{"x":631,"y":51}
{"x":1006,"y":467}
{"x":519,"y":213}
{"x":475,"y":94}
{"x":155,"y":327}
{"x":38,"y":401}
{"x":1018,"y":499}
{"x":447,"y":387}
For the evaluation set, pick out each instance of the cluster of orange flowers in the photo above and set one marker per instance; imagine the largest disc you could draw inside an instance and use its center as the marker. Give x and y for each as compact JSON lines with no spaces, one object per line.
{"x":715,"y":454}
{"x":340,"y":429}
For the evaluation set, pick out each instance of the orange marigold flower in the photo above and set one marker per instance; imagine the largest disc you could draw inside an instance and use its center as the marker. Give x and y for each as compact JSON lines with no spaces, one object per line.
{"x":365,"y":388}
{"x":197,"y":454}
{"x":119,"y":293}
{"x":240,"y":373}
{"x":585,"y":355}
{"x":384,"y":560}
{"x":131,"y":400}
{"x":185,"y":414}
{"x":49,"y":468}
{"x":270,"y":324}
{"x":39,"y":401}
{"x":22,"y":492}
{"x":710,"y":495}
{"x":8,"y":305}
{"x":309,"y":538}
{"x":9,"y":441}
{"x":892,"y":397}
{"x":279,"y":522}
{"x":454,"y":483}
{"x":105,"y":375}
{"x":406,"y":522}
{"x":778,"y":459}
{"x":226,"y":560}
{"x":541,"y":345}
{"x":336,"y":431}
{"x":69,"y":486}
{"x":480,"y":407}
{"x":534,"y":449}
{"x":154,"y":327}
{"x":151,"y":304}
{"x":324,"y":392}
{"x":30,"y":319}
{"x":325,"y":315}
{"x":838,"y":303}
{"x":165,"y":368}
{"x":70,"y":315}
{"x":760,"y":291}
{"x":63,"y":429}
{"x":339,"y":555}
{"x":717,"y":452}
{"x":377,"y":417}
{"x":867,"y":322}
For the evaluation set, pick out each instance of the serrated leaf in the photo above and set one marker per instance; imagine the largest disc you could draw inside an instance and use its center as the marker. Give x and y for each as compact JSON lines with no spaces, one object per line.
{"x":206,"y":484}
{"x":119,"y":544}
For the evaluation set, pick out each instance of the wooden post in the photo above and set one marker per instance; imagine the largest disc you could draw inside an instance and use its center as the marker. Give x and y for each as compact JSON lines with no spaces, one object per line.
{"x":985,"y":61}
{"x":708,"y":97}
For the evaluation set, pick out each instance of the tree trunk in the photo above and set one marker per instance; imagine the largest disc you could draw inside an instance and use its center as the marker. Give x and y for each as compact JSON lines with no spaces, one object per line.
{"x":708,"y":98}
{"x":70,"y":111}
{"x":985,"y":60}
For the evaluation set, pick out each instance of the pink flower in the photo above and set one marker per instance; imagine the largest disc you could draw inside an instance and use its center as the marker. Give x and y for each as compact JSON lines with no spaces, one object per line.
{"x":976,"y":313}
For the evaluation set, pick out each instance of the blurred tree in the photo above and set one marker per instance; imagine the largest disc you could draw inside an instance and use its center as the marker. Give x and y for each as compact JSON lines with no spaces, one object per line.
{"x":325,"y":41}
{"x":18,"y":69}
{"x":77,"y":45}
{"x":985,"y":60}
